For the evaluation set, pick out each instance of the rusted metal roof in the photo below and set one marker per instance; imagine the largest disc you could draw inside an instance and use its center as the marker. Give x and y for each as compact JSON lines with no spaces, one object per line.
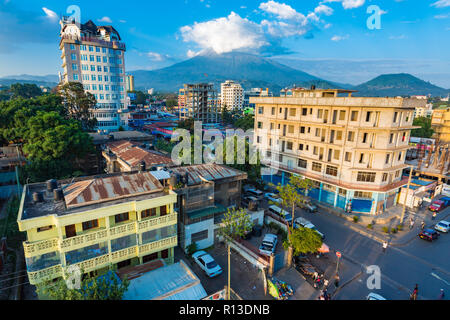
{"x":110,"y":188}
{"x":134,"y":155}
{"x":210,"y":172}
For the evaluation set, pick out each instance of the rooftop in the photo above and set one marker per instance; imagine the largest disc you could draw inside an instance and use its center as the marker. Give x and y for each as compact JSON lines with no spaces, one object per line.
{"x":134,"y":155}
{"x":88,"y":193}
{"x":121,"y":135}
{"x":210,"y":172}
{"x":173,"y":282}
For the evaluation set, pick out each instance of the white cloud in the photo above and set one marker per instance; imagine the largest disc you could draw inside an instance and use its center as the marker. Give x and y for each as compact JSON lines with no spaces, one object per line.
{"x":400,"y":37}
{"x":326,"y":10}
{"x":348,"y":4}
{"x":105,"y":19}
{"x":281,"y":10}
{"x":442,"y":16}
{"x":51,"y":15}
{"x":154,"y":56}
{"x":337,"y":38}
{"x":191,"y":53}
{"x":441,"y":4}
{"x":225,"y":34}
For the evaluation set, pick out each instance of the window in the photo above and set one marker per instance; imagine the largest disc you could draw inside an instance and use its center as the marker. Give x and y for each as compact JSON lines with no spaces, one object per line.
{"x":84,"y":67}
{"x":364,"y":140}
{"x":315,"y":152}
{"x":361,"y":158}
{"x":391,"y":138}
{"x":302,"y":163}
{"x":363,"y":195}
{"x":150,"y":257}
{"x":90,"y":224}
{"x":292,"y":112}
{"x":93,"y":77}
{"x":366,"y":176}
{"x":259,"y":125}
{"x":99,"y":59}
{"x":74,"y":67}
{"x":73,"y":56}
{"x":75,"y":77}
{"x":92,"y":58}
{"x":397,"y":174}
{"x":317,"y":132}
{"x":165,"y":253}
{"x":337,"y":154}
{"x":92,"y":67}
{"x":354,"y":116}
{"x":99,"y":68}
{"x":302,"y":130}
{"x":260,"y":110}
{"x":121,"y":217}
{"x":342,"y":115}
{"x":316,"y":166}
{"x":91,"y":48}
{"x":289,"y":145}
{"x":385,"y":175}
{"x":339,"y":135}
{"x":304,"y":111}
{"x":348,"y":156}
{"x":395,"y":117}
{"x":404,"y":137}
{"x":319,"y":113}
{"x":399,"y":156}
{"x":368,"y":115}
{"x":148,"y":213}
{"x":162,"y":210}
{"x":388,"y":157}
{"x":351,"y":136}
{"x":300,"y":147}
{"x":290,"y":129}
{"x":44,"y":228}
{"x":198,"y":236}
{"x":332,"y":171}
{"x":258,"y":139}
{"x":273,"y":111}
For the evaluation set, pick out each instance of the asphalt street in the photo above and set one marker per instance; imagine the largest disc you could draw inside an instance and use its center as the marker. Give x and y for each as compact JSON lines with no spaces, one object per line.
{"x":402,"y":266}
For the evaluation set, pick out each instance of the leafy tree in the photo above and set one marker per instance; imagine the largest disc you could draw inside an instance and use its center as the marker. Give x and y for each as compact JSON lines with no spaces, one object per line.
{"x":425,"y":130}
{"x":171,"y":103}
{"x":304,"y":240}
{"x":25,"y":90}
{"x":141,"y":97}
{"x":187,"y":124}
{"x":105,"y":287}
{"x":78,"y":104}
{"x":227,"y":117}
{"x":246,"y":122}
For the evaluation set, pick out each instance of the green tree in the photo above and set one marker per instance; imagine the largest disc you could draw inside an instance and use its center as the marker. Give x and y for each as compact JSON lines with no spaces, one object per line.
{"x":234,"y":225}
{"x":171,"y":103}
{"x":25,"y":90}
{"x":78,"y":104}
{"x":303,"y":241}
{"x":187,"y":124}
{"x":105,"y":287}
{"x":246,"y":122}
{"x":227,"y":116}
{"x":425,"y":130}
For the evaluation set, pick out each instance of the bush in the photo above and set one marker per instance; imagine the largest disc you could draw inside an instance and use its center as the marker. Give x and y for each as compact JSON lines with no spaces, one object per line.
{"x":355,"y":219}
{"x":385,"y":229}
{"x":192,"y":248}
{"x":394,"y":230}
{"x":369,"y":226}
{"x":400,"y":227}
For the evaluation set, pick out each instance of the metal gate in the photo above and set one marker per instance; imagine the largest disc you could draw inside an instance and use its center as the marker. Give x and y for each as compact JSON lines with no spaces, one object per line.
{"x":279,"y":261}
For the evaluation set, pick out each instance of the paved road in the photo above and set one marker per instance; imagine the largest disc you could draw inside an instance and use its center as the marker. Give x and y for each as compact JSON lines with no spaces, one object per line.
{"x":419,"y":261}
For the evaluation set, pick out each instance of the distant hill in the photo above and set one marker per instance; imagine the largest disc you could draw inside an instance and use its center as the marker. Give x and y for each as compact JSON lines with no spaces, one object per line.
{"x":401,"y":84}
{"x":46,"y":81}
{"x":250,"y":70}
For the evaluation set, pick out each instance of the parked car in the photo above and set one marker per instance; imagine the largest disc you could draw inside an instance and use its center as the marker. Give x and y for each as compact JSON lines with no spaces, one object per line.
{"x":302,"y":222}
{"x":255,"y":193}
{"x":439,"y":205}
{"x":309,"y":206}
{"x":268,"y":244}
{"x":280,"y":212}
{"x":272,"y":197}
{"x":307,"y":269}
{"x":429,"y":234}
{"x":207,"y":263}
{"x":374,"y":296}
{"x":442,"y":226}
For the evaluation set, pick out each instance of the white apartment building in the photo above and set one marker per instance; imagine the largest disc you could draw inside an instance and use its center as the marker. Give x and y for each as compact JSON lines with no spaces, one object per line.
{"x":232,"y":95}
{"x":353,"y":148}
{"x":95,"y":56}
{"x":424,"y":111}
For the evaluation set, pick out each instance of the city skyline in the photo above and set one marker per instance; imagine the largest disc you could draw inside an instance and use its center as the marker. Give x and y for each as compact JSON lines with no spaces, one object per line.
{"x":158,"y":36}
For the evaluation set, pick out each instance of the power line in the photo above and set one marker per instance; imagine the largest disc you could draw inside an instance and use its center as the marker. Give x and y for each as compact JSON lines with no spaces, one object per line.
{"x":14,"y":286}
{"x":8,"y":274}
{"x":21,"y":276}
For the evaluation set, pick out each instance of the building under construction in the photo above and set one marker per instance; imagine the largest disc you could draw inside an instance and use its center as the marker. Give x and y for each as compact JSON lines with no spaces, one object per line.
{"x":200,"y":102}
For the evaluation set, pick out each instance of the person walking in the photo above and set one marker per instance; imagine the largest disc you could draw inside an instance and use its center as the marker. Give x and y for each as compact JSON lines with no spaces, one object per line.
{"x":433,"y":216}
{"x":385,"y":245}
{"x":411,"y":223}
{"x":325,"y":284}
{"x":441,"y":295}
{"x":336,"y":280}
{"x":414,"y":293}
{"x":423,"y":225}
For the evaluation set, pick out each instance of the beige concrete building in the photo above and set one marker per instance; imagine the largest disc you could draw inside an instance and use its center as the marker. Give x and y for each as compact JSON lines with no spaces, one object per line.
{"x":130,"y":82}
{"x":232,"y":95}
{"x":440,"y":122}
{"x":353,"y":148}
{"x":95,"y":56}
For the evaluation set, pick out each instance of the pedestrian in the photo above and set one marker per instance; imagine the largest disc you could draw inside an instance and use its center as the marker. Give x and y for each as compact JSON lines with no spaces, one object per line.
{"x":336,"y":280}
{"x":434,"y":215}
{"x":317,"y":284}
{"x":385,"y":245}
{"x":441,"y":295}
{"x":423,"y":225}
{"x":325,"y":283}
{"x":415,"y":293}
{"x":411,"y":223}
{"x":315,"y":275}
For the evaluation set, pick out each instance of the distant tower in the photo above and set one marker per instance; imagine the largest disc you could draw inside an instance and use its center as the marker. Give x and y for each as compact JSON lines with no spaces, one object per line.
{"x":95,"y":56}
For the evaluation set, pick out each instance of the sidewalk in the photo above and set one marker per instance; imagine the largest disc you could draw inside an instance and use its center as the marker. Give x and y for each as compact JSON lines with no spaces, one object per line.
{"x":393,"y":215}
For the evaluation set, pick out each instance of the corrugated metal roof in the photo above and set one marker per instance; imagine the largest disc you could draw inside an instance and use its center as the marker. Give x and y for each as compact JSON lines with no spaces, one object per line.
{"x":103,"y":189}
{"x":174,"y":282}
{"x":160,"y":174}
{"x":210,"y":172}
{"x":134,"y":155}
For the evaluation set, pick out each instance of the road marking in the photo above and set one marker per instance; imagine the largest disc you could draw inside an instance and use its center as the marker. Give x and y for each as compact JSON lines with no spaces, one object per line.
{"x":439,"y":278}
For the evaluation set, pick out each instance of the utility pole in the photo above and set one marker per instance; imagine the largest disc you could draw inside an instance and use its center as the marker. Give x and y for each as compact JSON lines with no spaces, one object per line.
{"x":229,"y":274}
{"x":406,"y":197}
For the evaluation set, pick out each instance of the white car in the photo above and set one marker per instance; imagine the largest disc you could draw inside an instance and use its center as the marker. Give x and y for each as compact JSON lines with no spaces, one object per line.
{"x":442,"y":226}
{"x":307,"y":224}
{"x":268,"y":244}
{"x":374,"y":296}
{"x":272,"y":197}
{"x":207,"y":263}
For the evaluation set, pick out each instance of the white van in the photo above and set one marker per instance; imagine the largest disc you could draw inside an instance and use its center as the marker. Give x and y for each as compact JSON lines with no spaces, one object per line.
{"x":280,"y":212}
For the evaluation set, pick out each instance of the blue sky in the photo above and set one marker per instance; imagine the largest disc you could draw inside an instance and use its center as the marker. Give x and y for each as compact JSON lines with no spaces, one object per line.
{"x":160,"y":33}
